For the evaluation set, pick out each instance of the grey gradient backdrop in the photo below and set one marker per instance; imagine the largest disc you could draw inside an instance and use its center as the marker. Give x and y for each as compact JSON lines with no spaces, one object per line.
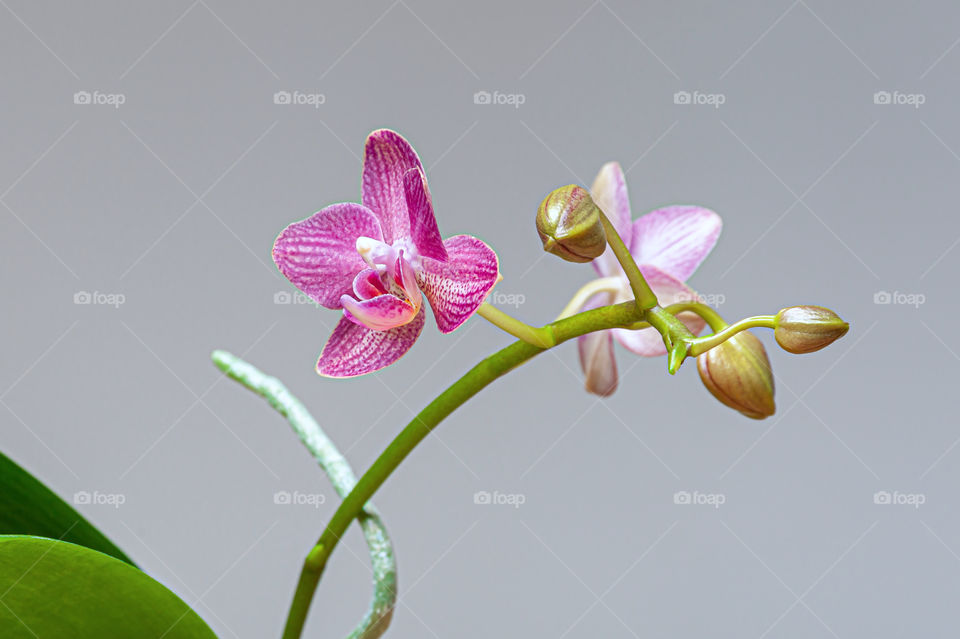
{"x":173,"y":201}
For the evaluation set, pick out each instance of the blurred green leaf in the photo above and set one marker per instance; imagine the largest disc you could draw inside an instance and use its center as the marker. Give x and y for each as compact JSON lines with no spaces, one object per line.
{"x":27,"y":507}
{"x":51,"y":588}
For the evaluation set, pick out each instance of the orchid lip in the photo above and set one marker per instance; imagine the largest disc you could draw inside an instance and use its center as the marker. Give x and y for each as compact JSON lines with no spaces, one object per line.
{"x":380,"y":313}
{"x":386,"y":294}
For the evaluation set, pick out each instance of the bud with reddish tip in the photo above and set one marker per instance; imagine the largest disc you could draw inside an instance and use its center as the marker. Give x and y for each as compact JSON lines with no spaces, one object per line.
{"x":569,"y":225}
{"x":805,"y":329}
{"x":737,"y":372}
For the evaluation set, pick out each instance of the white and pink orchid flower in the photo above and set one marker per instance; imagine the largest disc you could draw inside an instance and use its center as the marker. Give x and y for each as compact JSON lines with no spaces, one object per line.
{"x":668,"y":245}
{"x":377,"y":260}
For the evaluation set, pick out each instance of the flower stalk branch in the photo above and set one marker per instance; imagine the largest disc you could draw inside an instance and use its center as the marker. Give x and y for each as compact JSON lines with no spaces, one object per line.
{"x":600,"y":285}
{"x":642,"y":293}
{"x":701,"y":345}
{"x":540,"y":337}
{"x":475,"y":380}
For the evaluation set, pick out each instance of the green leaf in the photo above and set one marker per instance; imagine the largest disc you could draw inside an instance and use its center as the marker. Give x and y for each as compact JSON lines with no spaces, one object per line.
{"x":27,"y":507}
{"x":51,"y":588}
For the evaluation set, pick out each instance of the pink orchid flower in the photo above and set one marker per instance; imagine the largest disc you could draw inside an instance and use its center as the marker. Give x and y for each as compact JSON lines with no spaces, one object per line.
{"x":668,"y":245}
{"x":377,"y":260}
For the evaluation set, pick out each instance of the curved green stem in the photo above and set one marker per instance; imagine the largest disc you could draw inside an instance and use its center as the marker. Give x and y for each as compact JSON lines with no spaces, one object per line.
{"x":641,"y":290}
{"x":540,"y":337}
{"x":701,"y":345}
{"x":610,"y":284}
{"x":711,"y":316}
{"x":477,"y":378}
{"x":338,"y":470}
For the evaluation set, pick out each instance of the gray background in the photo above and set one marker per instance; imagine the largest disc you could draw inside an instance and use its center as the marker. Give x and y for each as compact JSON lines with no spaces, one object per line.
{"x":174,"y":198}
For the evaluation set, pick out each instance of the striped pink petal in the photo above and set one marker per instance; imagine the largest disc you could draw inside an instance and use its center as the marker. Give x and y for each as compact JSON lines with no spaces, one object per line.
{"x":676,"y":239}
{"x":647,"y":342}
{"x":609,"y":192}
{"x":457,"y":287}
{"x":319,"y":254}
{"x":423,"y":223}
{"x":355,"y":350}
{"x":597,"y":359}
{"x":386,"y":159}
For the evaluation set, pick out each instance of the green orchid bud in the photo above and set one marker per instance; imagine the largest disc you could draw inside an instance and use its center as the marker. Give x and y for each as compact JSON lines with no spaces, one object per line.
{"x":805,"y":329}
{"x":737,"y":372}
{"x":568,"y":222}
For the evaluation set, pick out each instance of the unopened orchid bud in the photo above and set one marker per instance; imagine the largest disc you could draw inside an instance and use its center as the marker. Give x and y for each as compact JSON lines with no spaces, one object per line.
{"x":737,"y":372}
{"x":805,"y":329}
{"x":568,"y":222}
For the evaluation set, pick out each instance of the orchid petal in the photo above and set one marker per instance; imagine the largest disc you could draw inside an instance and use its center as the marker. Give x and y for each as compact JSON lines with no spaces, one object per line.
{"x":597,"y":358}
{"x":406,"y":278}
{"x":367,"y":284}
{"x":319,"y":254}
{"x":387,"y":158}
{"x":647,"y":342}
{"x":456,"y":288}
{"x":380,"y":313}
{"x":675,"y":238}
{"x":609,"y":192}
{"x":423,"y":222}
{"x":355,"y":350}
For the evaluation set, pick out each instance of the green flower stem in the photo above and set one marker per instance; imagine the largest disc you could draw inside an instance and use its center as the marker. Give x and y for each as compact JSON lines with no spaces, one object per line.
{"x":540,"y":337}
{"x":641,"y":290}
{"x":710,"y":315}
{"x":335,"y":465}
{"x":610,"y":284}
{"x":477,"y":378}
{"x":676,"y":336}
{"x":700,"y":345}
